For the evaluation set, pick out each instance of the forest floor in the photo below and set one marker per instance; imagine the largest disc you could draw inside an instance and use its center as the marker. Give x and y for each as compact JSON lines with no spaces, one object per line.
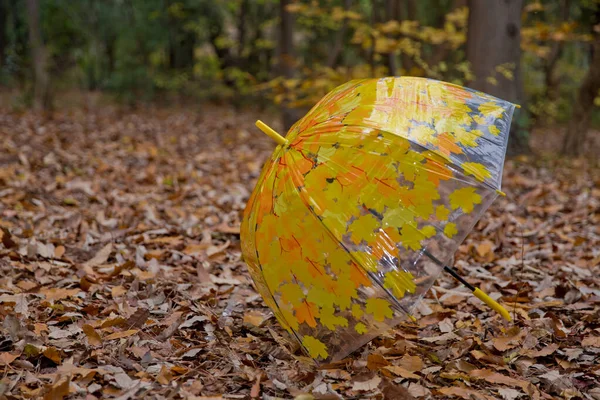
{"x":121,"y":274}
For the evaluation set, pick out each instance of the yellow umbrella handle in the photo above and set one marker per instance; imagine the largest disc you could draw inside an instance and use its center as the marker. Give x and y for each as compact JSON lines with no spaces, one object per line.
{"x":493,"y":304}
{"x":480,"y":294}
{"x":271,"y":133}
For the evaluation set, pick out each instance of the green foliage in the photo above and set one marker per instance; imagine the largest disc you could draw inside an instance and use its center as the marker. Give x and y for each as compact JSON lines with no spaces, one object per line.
{"x":227,"y":49}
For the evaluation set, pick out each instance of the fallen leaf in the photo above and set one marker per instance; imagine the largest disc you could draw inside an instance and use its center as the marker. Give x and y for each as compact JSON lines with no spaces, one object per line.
{"x":54,"y":294}
{"x":122,"y":334}
{"x":591,"y":341}
{"x":53,"y":354}
{"x":411,"y":363}
{"x":164,"y":376}
{"x":365,"y":386}
{"x":7,"y":358}
{"x":93,"y":337}
{"x":101,"y":256}
{"x":401,"y":371}
{"x":376,"y":361}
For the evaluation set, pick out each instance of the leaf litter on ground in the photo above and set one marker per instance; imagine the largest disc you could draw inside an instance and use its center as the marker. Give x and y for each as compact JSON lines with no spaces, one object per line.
{"x":121,"y":275}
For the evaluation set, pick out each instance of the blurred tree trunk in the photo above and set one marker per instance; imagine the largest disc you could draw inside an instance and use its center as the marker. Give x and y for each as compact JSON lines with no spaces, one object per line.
{"x":579,"y":124}
{"x":3,"y":28}
{"x":390,"y":14}
{"x":340,"y":39}
{"x":42,"y":99}
{"x":556,"y":51}
{"x":242,"y":18}
{"x":286,"y":57}
{"x":493,"y":39}
{"x":406,"y":10}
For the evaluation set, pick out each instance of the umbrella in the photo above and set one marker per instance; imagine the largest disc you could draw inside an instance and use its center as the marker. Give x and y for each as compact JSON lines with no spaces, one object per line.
{"x":364,"y":202}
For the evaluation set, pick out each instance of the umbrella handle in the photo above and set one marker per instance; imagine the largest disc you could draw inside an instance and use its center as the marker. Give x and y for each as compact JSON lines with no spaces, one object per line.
{"x":271,"y":133}
{"x":480,"y":294}
{"x":493,"y":304}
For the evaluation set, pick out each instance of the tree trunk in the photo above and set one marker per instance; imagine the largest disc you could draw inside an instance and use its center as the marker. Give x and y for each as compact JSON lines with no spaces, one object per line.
{"x":406,"y":10}
{"x":3,"y":22}
{"x":579,"y":124}
{"x":390,"y":14}
{"x":286,"y":57}
{"x":41,"y":100}
{"x":338,"y":46}
{"x":493,"y":39}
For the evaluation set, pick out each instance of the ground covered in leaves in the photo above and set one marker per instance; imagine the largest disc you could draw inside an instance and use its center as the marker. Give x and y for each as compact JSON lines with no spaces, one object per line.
{"x":121,"y":275}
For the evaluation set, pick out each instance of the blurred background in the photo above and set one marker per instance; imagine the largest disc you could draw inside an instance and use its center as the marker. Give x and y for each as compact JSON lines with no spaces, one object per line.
{"x":286,"y":54}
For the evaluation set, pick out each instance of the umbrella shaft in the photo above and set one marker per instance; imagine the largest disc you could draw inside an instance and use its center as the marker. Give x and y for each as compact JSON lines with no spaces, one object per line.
{"x":449,"y":270}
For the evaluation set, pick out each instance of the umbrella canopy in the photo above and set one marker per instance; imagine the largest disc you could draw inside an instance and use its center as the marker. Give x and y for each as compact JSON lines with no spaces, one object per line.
{"x":365,"y":200}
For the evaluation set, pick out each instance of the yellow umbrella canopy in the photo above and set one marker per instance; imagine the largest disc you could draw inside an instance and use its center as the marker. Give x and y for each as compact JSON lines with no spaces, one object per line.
{"x":365,"y":200}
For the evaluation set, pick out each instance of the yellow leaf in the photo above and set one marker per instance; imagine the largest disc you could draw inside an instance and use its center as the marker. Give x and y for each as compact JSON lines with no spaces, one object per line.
{"x":450,"y":229}
{"x":357,"y":311}
{"x":441,"y":213}
{"x":329,"y":320}
{"x":479,"y":171}
{"x":360,"y":328}
{"x":315,"y":347}
{"x":291,"y":293}
{"x":493,"y":130}
{"x":491,"y":108}
{"x":464,"y":198}
{"x":399,"y":282}
{"x":363,"y":228}
{"x":379,"y":309}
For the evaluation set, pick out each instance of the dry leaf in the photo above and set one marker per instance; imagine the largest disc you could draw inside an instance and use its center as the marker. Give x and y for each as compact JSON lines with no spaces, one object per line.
{"x":54,"y":294}
{"x":164,"y":376}
{"x":591,"y":341}
{"x":368,"y":385}
{"x":53,"y":354}
{"x":93,"y":337}
{"x":7,"y":358}
{"x":376,"y":361}
{"x":411,"y":363}
{"x":120,"y":335}
{"x":101,"y":256}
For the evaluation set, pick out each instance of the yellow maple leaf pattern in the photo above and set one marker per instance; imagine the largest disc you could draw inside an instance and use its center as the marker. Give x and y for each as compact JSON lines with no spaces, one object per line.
{"x":377,"y":172}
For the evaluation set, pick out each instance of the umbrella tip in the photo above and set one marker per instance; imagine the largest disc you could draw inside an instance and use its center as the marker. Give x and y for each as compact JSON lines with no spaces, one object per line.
{"x":500,"y":192}
{"x":271,"y":133}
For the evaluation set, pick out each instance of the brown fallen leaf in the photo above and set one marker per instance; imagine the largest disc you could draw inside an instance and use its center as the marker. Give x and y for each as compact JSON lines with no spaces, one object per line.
{"x":255,"y":318}
{"x":367,"y":385}
{"x":53,"y":354}
{"x":54,"y":294}
{"x":495,"y":377}
{"x":7,"y":358}
{"x":463,"y":393}
{"x":511,"y":340}
{"x":122,"y":334}
{"x":101,"y":256}
{"x":376,"y":361}
{"x":138,"y":318}
{"x":401,"y":371}
{"x":411,"y":363}
{"x":93,"y":337}
{"x":117,"y":291}
{"x":591,"y":341}
{"x":164,"y":376}
{"x":58,"y":390}
{"x":59,"y":251}
{"x":255,"y":390}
